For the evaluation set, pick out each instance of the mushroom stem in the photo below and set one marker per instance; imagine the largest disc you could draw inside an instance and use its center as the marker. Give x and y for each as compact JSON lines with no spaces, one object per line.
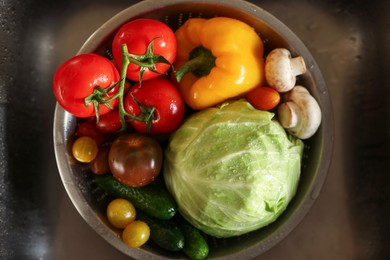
{"x":300,"y":114}
{"x":298,"y":66}
{"x":281,"y":69}
{"x":288,"y":114}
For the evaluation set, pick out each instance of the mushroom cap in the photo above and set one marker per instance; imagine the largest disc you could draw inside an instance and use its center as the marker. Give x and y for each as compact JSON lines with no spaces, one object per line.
{"x":300,"y":114}
{"x":281,"y":70}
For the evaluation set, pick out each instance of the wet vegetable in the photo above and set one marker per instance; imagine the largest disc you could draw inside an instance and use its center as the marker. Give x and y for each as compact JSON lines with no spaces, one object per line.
{"x":136,"y":234}
{"x":84,"y":149}
{"x":243,"y":178}
{"x":88,"y":128}
{"x":151,"y":45}
{"x":152,"y":199}
{"x":217,"y":59}
{"x":120,"y":213}
{"x":135,"y":159}
{"x":263,"y":98}
{"x":195,"y":246}
{"x":158,"y":103}
{"x":78,"y":81}
{"x":165,"y":233}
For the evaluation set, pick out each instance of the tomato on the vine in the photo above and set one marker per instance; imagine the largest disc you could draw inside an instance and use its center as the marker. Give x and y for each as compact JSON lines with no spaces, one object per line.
{"x":139,"y":35}
{"x":135,"y":159}
{"x":159,"y":103}
{"x":76,"y":80}
{"x":110,"y":122}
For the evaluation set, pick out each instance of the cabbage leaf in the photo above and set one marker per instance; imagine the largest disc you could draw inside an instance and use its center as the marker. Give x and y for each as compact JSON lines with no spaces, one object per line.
{"x":232,"y":169}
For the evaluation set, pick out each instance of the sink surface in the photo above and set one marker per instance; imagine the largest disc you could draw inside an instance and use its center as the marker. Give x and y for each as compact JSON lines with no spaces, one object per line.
{"x":351,"y":44}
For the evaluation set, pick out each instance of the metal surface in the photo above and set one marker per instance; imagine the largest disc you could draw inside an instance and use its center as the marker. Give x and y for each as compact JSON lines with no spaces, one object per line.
{"x":350,"y":42}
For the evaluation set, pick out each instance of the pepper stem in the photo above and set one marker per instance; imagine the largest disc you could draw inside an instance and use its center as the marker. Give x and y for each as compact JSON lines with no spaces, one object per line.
{"x":200,"y":63}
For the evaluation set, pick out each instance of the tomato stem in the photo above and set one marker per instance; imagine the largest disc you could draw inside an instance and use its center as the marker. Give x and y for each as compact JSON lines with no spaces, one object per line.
{"x":121,"y":90}
{"x":147,"y":113}
{"x":147,"y":61}
{"x":100,"y":95}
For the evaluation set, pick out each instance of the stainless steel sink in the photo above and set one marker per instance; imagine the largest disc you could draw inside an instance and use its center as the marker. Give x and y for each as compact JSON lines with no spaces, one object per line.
{"x":351,"y":44}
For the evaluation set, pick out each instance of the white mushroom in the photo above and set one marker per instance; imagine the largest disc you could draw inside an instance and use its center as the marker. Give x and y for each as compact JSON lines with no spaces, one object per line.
{"x":281,"y":70}
{"x":300,"y":113}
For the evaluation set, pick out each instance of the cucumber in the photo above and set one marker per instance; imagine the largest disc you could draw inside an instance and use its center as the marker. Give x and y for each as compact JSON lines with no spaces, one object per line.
{"x":154,"y":200}
{"x":195,"y":247}
{"x":165,"y":233}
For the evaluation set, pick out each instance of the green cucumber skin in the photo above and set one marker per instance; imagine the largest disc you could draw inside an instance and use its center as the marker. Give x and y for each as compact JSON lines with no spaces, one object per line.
{"x":196,"y":247}
{"x":165,"y":233}
{"x":151,"y":199}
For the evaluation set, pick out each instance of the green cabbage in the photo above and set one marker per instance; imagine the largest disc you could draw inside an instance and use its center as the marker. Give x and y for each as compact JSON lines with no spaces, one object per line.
{"x":232,"y":169}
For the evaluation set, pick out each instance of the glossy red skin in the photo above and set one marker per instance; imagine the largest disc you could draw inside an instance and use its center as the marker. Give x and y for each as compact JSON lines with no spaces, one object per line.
{"x":110,"y":122}
{"x":135,"y":159}
{"x":76,"y":79}
{"x":137,"y":35}
{"x":263,"y":98}
{"x":167,"y":100}
{"x":88,"y":128}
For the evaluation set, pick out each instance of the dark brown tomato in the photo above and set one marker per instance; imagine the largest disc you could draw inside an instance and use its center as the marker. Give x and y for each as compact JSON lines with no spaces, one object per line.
{"x":135,"y":159}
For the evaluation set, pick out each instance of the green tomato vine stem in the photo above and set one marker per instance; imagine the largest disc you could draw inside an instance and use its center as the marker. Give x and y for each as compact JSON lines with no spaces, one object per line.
{"x":100,"y":95}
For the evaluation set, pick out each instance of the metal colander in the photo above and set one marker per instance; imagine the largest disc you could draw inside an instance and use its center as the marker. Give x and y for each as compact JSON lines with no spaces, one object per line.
{"x":90,"y":202}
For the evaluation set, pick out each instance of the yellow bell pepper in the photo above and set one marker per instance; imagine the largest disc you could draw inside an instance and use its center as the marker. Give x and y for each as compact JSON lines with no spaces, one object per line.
{"x":225,"y":57}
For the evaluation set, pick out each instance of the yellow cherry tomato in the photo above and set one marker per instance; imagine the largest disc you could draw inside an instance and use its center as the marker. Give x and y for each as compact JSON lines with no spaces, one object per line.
{"x":84,"y":149}
{"x":136,"y":234}
{"x":120,"y":213}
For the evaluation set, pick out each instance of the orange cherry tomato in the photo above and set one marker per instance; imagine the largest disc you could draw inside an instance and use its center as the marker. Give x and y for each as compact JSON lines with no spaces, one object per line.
{"x":263,"y":98}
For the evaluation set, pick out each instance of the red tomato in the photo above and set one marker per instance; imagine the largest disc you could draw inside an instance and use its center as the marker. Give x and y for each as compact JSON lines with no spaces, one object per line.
{"x":77,"y":78}
{"x":135,"y":159}
{"x":110,"y":122}
{"x":137,"y":35}
{"x":88,"y":128}
{"x":263,"y":98}
{"x":162,"y":95}
{"x":99,"y":165}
